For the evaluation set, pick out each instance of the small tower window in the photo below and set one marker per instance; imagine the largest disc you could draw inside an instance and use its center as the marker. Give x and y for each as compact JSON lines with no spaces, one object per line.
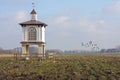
{"x":32,"y":34}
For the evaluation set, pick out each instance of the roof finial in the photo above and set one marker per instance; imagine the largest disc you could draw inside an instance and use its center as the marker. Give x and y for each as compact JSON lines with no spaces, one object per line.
{"x":33,"y":5}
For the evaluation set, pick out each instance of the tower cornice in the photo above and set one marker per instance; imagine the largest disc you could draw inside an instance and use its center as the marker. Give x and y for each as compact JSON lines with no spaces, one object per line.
{"x":33,"y":22}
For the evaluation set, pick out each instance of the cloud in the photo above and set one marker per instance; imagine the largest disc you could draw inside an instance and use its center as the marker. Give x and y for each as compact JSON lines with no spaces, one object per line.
{"x":69,"y":25}
{"x":115,"y":7}
{"x":21,"y":16}
{"x":92,"y":25}
{"x":62,"y":21}
{"x":10,"y":31}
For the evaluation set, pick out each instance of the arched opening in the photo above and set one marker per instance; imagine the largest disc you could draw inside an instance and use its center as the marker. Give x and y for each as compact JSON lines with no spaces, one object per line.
{"x":33,"y":49}
{"x":32,"y":34}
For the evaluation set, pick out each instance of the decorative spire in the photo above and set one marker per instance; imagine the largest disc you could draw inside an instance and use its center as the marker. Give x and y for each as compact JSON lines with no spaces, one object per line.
{"x":33,"y":13}
{"x":33,"y":5}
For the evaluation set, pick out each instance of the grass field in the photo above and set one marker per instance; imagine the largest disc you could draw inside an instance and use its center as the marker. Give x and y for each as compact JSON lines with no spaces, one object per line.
{"x":62,"y":67}
{"x":6,"y":55}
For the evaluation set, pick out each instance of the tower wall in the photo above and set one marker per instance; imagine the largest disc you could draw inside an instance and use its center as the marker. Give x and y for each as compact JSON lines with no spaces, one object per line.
{"x":24,"y":34}
{"x":33,"y":17}
{"x":43,"y":34}
{"x":40,"y":33}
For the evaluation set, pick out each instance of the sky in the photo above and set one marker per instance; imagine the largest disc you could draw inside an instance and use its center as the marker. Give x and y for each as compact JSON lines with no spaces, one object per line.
{"x":70,"y":22}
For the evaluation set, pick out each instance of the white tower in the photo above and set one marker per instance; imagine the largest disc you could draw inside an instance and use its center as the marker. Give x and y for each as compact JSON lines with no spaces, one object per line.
{"x":33,"y":33}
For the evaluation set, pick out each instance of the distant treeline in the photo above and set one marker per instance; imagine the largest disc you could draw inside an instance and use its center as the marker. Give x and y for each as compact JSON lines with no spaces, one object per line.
{"x":7,"y":51}
{"x":59,"y":51}
{"x":110,"y":50}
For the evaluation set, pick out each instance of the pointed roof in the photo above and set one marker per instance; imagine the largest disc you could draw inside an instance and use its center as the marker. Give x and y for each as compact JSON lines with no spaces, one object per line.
{"x":33,"y":12}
